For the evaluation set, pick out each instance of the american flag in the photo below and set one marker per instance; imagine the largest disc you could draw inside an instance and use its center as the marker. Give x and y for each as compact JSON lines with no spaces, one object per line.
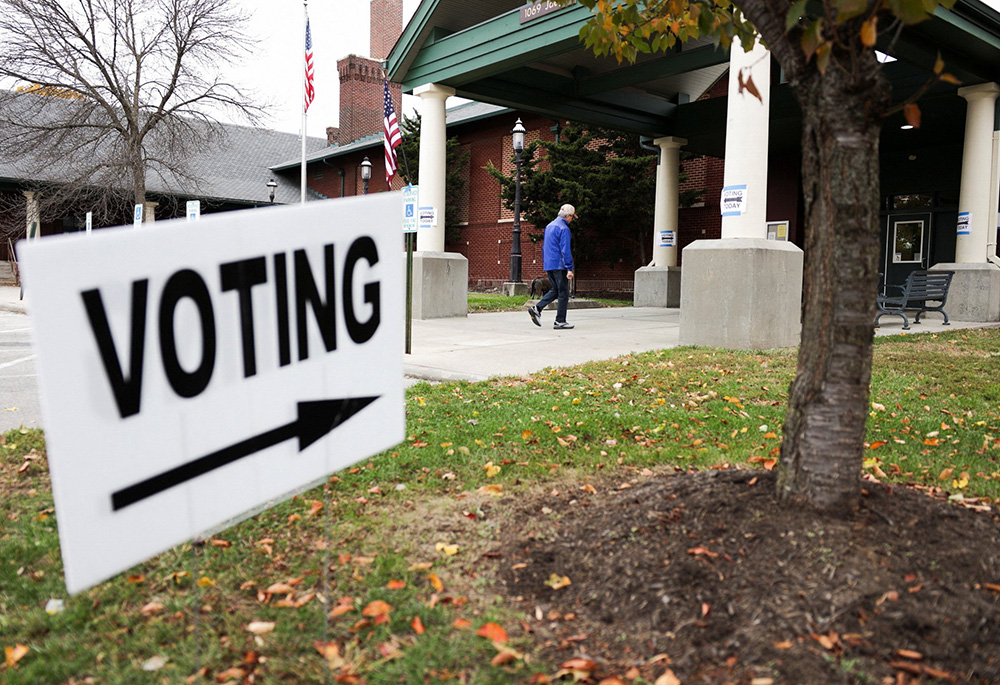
{"x":310,"y":89}
{"x":392,"y":135}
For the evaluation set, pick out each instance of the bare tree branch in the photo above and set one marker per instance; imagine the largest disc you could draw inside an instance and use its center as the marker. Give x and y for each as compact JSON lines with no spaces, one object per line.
{"x":108,"y":95}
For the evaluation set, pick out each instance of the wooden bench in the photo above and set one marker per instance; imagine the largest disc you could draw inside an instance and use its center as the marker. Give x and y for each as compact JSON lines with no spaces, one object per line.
{"x":920,"y":288}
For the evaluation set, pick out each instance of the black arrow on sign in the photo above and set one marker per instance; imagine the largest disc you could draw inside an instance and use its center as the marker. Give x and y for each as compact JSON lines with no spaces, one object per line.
{"x":315,"y":420}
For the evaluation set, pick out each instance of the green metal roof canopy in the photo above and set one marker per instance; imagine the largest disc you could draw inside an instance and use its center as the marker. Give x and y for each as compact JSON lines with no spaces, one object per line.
{"x":487,"y":51}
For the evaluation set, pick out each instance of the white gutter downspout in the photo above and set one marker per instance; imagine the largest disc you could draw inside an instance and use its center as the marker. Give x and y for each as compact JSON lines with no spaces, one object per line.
{"x":991,"y":247}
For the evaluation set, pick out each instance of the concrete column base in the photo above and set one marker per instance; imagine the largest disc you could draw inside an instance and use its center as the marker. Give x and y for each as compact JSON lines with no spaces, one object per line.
{"x":510,"y":289}
{"x":657,"y":286}
{"x":974,"y":293}
{"x":741,"y":293}
{"x":440,"y":285}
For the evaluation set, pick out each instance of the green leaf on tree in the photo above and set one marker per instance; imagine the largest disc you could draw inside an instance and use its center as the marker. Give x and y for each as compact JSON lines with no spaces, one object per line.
{"x":908,"y":11}
{"x":795,"y":12}
{"x":823,"y":57}
{"x":812,"y":38}
{"x":848,"y":9}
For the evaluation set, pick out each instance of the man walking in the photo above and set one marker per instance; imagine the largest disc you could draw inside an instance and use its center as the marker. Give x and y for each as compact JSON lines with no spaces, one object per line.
{"x":557,"y":260}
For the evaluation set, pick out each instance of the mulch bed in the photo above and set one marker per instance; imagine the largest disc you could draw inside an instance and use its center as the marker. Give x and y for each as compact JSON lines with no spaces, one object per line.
{"x":707,"y":575}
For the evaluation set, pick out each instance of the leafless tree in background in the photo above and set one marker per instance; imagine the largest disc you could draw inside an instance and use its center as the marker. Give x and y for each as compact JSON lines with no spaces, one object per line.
{"x":103,"y":97}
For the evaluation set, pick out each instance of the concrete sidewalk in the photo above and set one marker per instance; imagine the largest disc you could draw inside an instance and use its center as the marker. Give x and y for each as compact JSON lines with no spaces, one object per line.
{"x":481,"y":346}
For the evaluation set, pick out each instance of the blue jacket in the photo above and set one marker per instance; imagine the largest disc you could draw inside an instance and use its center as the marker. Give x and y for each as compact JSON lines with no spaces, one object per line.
{"x":556,"y":254}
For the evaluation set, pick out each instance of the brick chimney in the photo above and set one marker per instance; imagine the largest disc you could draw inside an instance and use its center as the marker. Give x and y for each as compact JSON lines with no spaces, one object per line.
{"x":361,"y":91}
{"x":386,"y":27}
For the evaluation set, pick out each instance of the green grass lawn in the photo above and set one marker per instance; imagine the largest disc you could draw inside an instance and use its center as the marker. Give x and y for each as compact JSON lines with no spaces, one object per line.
{"x":497,"y":302}
{"x":379,"y":575}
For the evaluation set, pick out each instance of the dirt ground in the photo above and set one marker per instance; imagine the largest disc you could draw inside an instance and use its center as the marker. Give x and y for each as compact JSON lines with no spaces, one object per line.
{"x":707,"y":576}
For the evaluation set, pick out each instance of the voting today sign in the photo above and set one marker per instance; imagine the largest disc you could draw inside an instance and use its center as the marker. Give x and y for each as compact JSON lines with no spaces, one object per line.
{"x":193,"y":371}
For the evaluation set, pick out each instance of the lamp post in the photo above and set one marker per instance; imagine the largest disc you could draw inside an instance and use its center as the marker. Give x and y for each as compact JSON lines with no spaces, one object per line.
{"x":366,"y":173}
{"x":271,"y":185}
{"x":517,"y":135}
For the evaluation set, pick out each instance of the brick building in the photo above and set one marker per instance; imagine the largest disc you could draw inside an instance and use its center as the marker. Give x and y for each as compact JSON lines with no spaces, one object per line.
{"x":483,"y":133}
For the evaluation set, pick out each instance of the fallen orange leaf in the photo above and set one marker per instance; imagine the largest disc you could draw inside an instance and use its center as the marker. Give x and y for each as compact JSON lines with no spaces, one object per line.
{"x":503,"y":658}
{"x":435,"y":582}
{"x":557,"y":582}
{"x":579,"y":664}
{"x":668,"y":678}
{"x":151,"y":608}
{"x":395,"y":585}
{"x":14,"y":654}
{"x":461,"y":623}
{"x":344,"y":605}
{"x":875,"y":445}
{"x":909,"y":654}
{"x":376,"y":609}
{"x":417,"y":625}
{"x":698,"y":551}
{"x":494,"y":632}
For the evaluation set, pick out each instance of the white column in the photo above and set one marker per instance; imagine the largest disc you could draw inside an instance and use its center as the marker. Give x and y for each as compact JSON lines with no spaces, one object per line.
{"x":667,"y":201}
{"x":976,"y":227}
{"x":745,"y":179}
{"x":149,"y":212}
{"x":433,"y":161}
{"x":33,"y":225}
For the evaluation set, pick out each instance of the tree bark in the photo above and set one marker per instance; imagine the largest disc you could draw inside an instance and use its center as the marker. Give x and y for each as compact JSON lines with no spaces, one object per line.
{"x":823,"y":444}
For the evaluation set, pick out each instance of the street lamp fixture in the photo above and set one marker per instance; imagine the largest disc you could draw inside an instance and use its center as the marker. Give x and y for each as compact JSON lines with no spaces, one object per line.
{"x":366,"y":173}
{"x":271,"y":185}
{"x":517,"y":136}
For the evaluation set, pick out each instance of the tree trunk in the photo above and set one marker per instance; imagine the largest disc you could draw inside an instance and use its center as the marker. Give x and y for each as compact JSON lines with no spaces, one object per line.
{"x":823,"y":444}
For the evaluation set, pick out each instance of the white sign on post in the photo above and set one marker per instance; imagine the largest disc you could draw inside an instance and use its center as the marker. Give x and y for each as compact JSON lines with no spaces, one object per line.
{"x":196,"y":372}
{"x":410,"y":197}
{"x":193,"y":210}
{"x":137,"y":216}
{"x":90,"y":221}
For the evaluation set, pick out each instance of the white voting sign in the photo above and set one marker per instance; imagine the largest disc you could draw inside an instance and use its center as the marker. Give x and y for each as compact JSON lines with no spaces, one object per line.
{"x":198,"y":371}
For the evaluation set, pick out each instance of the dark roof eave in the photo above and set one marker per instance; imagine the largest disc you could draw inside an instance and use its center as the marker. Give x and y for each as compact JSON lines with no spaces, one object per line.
{"x":328,"y":153}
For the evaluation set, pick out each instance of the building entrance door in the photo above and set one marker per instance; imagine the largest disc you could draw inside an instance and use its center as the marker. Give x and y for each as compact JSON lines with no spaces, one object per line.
{"x":906,"y":246}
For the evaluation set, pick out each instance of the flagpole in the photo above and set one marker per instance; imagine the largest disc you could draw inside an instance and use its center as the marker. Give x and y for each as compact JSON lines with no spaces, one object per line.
{"x":302,"y":102}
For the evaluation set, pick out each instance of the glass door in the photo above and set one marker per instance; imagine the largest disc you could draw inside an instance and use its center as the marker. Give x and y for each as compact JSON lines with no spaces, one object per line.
{"x":907,"y":246}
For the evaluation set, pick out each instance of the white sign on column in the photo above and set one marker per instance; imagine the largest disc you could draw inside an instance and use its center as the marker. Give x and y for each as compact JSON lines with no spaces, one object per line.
{"x":137,"y":216}
{"x":733,"y":201}
{"x":193,"y":210}
{"x":196,"y":372}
